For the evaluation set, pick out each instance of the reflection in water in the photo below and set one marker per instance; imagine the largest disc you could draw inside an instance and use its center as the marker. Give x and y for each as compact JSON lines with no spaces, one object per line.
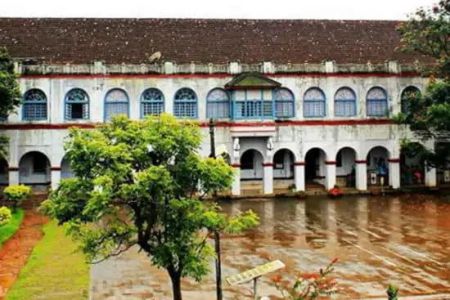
{"x":378,"y":240}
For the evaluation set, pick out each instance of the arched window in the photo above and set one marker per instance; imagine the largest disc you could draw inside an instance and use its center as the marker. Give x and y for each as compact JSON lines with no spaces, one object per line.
{"x":185,"y":104}
{"x":345,"y":102}
{"x":34,"y":105}
{"x":116,"y":103}
{"x":152,"y":102}
{"x":408,"y":94}
{"x":284,"y":103}
{"x":218,"y":104}
{"x":76,"y":105}
{"x":314,"y":103}
{"x":377,"y":102}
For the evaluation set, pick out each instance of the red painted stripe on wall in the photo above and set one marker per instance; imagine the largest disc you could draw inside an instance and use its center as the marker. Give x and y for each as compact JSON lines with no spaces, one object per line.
{"x":217,"y":124}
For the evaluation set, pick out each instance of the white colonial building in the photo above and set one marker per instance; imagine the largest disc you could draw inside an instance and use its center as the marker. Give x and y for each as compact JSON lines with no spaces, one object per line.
{"x":296,"y":104}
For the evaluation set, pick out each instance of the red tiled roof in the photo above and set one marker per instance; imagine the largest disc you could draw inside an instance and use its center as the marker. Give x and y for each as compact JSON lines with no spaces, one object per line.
{"x":201,"y":40}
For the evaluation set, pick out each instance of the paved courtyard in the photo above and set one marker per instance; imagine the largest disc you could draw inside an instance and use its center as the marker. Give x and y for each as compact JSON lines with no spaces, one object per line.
{"x":379,"y":240}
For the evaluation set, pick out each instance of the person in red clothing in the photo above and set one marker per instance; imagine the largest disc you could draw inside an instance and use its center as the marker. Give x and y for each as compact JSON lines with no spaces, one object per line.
{"x":335,"y":192}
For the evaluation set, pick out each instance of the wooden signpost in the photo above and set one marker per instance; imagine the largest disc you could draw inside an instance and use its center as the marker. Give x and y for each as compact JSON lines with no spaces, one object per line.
{"x":254,"y":274}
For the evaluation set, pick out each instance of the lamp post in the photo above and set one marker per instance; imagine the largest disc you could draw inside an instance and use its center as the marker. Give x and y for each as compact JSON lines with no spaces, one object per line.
{"x":218,"y":261}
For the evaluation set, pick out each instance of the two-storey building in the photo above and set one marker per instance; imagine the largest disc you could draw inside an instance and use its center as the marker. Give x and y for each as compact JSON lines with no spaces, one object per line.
{"x":296,"y":104}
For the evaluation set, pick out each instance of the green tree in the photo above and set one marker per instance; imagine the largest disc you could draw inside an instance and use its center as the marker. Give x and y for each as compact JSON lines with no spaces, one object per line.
{"x":141,"y":183}
{"x":428,"y":114}
{"x":9,"y":92}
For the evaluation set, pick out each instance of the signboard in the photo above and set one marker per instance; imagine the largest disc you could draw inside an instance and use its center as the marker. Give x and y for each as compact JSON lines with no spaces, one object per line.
{"x":255,"y":272}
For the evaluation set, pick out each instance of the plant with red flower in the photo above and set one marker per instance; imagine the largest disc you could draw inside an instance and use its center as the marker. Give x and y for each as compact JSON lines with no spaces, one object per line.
{"x":307,"y":286}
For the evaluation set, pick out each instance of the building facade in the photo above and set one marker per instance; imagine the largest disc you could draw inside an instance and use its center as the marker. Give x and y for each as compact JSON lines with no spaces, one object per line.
{"x":296,"y":104}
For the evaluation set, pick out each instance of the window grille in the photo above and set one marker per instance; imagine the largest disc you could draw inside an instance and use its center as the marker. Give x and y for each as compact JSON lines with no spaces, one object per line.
{"x":116,"y":103}
{"x":410,"y":93}
{"x":377,"y":102}
{"x":34,"y":105}
{"x":345,"y":103}
{"x":314,"y":103}
{"x":152,"y":102}
{"x":185,"y":104}
{"x":218,"y":104}
{"x":284,"y":103}
{"x":76,"y":105}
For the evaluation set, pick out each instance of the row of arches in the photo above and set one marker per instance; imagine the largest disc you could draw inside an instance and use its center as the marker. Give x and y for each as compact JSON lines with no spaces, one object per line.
{"x":35,"y":168}
{"x":218,"y":101}
{"x":315,"y":161}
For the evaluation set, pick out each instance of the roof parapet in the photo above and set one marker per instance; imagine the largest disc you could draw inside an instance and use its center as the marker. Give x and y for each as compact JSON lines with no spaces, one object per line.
{"x":232,"y":68}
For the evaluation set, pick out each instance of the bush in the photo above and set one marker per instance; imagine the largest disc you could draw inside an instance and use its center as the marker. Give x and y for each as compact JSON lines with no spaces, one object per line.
{"x":5,"y":215}
{"x":17,"y":194}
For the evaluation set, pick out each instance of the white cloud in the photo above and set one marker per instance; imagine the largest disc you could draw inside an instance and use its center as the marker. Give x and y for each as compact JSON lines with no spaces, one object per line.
{"x":266,"y":9}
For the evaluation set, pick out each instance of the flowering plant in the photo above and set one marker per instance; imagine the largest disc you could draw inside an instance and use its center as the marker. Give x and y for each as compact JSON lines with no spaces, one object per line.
{"x":307,"y":286}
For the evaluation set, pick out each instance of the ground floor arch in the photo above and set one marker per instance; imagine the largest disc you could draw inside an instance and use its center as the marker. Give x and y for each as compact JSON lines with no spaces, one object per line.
{"x":34,"y":170}
{"x":412,"y":165}
{"x":315,"y":172}
{"x":378,"y":166}
{"x":66,"y":170}
{"x":346,"y":167}
{"x":251,"y":165}
{"x":4,"y":172}
{"x":283,"y":171}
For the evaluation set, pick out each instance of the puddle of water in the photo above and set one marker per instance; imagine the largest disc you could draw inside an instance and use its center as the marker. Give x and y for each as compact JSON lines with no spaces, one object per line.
{"x":379,"y":240}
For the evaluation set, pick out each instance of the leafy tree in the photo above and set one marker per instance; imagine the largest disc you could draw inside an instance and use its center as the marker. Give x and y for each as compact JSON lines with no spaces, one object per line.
{"x":142,"y":183}
{"x":428,"y":115}
{"x":9,"y":92}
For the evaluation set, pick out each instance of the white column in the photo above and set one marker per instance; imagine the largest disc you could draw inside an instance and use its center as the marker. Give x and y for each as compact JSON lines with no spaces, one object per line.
{"x":361,"y":175}
{"x":299,"y":176}
{"x":236,"y":186}
{"x":268,"y":178}
{"x":55,"y":177}
{"x":13,"y":176}
{"x":330,"y":179}
{"x":394,"y":173}
{"x":430,"y":177}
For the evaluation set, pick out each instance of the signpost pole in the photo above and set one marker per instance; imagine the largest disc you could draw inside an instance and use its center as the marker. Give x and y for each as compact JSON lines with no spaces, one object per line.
{"x":216,"y":233}
{"x":255,"y":285}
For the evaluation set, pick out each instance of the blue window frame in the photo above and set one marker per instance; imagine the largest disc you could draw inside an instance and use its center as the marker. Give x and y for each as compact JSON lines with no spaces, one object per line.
{"x":254,"y":105}
{"x":409,"y":94}
{"x":218,"y":104}
{"x":314,"y":103}
{"x":284,"y":103}
{"x":34,"y":105}
{"x":345,"y":102}
{"x":185,"y":104}
{"x":116,"y":103}
{"x":76,"y":105}
{"x":152,"y":102}
{"x":377,"y":102}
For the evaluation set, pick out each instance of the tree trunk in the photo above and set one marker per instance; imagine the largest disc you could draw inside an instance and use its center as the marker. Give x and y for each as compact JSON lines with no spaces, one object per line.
{"x":175,"y":277}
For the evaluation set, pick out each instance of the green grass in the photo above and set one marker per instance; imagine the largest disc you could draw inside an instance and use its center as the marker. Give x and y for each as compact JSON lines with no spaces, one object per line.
{"x":8,"y":230}
{"x":54,"y":271}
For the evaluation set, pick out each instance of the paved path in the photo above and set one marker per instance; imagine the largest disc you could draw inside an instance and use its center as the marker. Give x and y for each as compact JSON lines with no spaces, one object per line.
{"x":15,"y":252}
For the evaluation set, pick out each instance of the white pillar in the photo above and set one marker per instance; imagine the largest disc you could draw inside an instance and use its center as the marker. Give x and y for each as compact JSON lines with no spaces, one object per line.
{"x":236,"y":186}
{"x":268,"y":178}
{"x":13,"y":176}
{"x":361,"y":175}
{"x":430,"y":177}
{"x":394,"y":173}
{"x":330,"y":179}
{"x":299,"y":176}
{"x":55,"y":177}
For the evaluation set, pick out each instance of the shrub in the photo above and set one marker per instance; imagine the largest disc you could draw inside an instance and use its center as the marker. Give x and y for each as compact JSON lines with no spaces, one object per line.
{"x":5,"y":215}
{"x":17,"y":194}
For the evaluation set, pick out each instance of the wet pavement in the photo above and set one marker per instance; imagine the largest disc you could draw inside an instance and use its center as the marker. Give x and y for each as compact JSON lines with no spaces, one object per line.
{"x":402,"y":240}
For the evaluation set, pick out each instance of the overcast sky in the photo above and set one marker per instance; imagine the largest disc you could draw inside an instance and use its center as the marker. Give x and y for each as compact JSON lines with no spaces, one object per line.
{"x":262,"y":9}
